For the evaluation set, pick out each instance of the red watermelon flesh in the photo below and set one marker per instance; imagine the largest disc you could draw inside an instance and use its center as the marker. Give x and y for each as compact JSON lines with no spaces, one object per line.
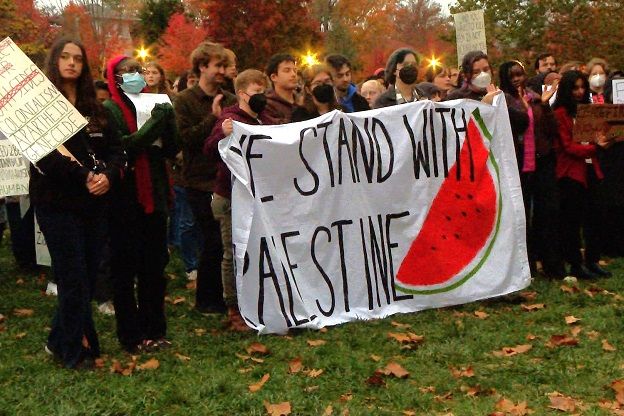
{"x":459,"y":222}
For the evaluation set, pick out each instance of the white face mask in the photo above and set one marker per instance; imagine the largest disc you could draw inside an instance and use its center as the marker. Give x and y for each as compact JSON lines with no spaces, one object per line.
{"x":482,"y":80}
{"x":597,"y":80}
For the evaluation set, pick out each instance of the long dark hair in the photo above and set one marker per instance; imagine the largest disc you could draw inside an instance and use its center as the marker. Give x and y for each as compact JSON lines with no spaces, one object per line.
{"x":397,"y":57}
{"x":504,"y":73}
{"x":162,"y":84}
{"x":86,"y":102}
{"x":565,"y":98}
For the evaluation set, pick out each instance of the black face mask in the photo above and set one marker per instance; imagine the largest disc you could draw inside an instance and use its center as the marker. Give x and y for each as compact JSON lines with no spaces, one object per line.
{"x":408,"y":74}
{"x":323,"y":93}
{"x":257,"y":102}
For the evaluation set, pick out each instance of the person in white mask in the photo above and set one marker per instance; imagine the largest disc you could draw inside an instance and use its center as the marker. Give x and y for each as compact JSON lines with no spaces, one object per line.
{"x":477,"y":79}
{"x":598,"y":70}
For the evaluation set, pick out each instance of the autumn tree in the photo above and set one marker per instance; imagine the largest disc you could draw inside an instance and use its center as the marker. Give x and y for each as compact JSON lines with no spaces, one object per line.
{"x":176,"y":44}
{"x":570,"y":29}
{"x":154,"y":17}
{"x":255,"y":32}
{"x":28,"y":28}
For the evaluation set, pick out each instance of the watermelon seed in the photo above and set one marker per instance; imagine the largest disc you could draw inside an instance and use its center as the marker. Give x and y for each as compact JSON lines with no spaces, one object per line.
{"x":464,"y":213}
{"x":443,"y":237}
{"x":458,"y":196}
{"x":478,"y":210}
{"x":433,"y":248}
{"x":448,"y":218}
{"x":469,"y":196}
{"x":457,"y":236}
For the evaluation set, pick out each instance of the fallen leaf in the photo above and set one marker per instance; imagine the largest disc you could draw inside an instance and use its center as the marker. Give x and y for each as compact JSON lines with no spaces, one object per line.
{"x":199,"y":331}
{"x":178,"y":300}
{"x":533,"y":307}
{"x":257,"y":348}
{"x":257,"y":386}
{"x":528,"y":295}
{"x":375,"y":380}
{"x":464,"y":372}
{"x":257,"y":360}
{"x":406,"y":338}
{"x":99,"y":362}
{"x":116,"y":367}
{"x":400,"y":325}
{"x":316,"y":342}
{"x":576,"y":330}
{"x":242,"y":356}
{"x":561,"y":340}
{"x":23,"y":312}
{"x":508,"y":407}
{"x":444,"y":397}
{"x":459,"y":314}
{"x":323,"y":330}
{"x":570,"y":289}
{"x":329,"y":411}
{"x":19,"y":281}
{"x":428,"y":389}
{"x":607,"y":347}
{"x":593,"y":334}
{"x":279,"y":409}
{"x":511,"y":351}
{"x":471,"y":391}
{"x":245,"y":370}
{"x":530,"y":337}
{"x":571,"y":320}
{"x":20,"y":335}
{"x":192,"y":285}
{"x":481,"y":314}
{"x":375,"y":358}
{"x":395,"y":369}
{"x":1,"y":318}
{"x":182,"y":357}
{"x":409,"y":413}
{"x":310,"y":389}
{"x":315,"y":373}
{"x":618,"y":388}
{"x":346,"y":397}
{"x":295,"y":365}
{"x":151,"y":364}
{"x":560,"y":402}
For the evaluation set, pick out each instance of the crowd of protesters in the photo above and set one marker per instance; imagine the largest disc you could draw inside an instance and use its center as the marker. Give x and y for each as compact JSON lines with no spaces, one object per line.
{"x":116,"y":199}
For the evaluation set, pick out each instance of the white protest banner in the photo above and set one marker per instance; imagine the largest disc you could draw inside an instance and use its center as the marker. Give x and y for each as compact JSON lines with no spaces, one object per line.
{"x":470,"y":33}
{"x":34,"y":115}
{"x":41,"y":247}
{"x":144,"y":103}
{"x":364,"y":215}
{"x":13,"y":170}
{"x":618,"y":91}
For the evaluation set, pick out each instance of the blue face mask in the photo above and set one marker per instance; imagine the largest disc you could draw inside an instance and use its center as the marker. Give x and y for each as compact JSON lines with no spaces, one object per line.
{"x":133,"y":83}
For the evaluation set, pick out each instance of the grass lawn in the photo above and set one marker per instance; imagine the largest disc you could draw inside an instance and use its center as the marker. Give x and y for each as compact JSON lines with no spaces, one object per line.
{"x":451,"y":371}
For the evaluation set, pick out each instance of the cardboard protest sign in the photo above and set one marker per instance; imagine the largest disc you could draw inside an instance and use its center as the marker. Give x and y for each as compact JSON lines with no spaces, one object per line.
{"x":34,"y":115}
{"x":363,"y":215}
{"x":618,"y":91}
{"x":593,"y":120}
{"x":470,"y":33}
{"x":144,"y":103}
{"x":13,"y":170}
{"x":42,"y":253}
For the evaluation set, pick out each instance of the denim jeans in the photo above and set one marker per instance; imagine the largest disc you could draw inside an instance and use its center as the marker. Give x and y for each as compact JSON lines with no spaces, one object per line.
{"x":75,"y":243}
{"x":184,"y":232}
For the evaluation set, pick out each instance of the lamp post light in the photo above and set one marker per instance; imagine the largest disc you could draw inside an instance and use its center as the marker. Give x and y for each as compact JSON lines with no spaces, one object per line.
{"x":142,"y":54}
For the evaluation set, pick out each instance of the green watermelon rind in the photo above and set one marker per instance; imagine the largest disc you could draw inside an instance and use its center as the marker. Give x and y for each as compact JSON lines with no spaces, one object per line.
{"x":477,"y":116}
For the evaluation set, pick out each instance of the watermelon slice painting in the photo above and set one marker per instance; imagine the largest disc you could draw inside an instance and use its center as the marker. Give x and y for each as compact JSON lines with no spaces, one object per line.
{"x":461,"y":226}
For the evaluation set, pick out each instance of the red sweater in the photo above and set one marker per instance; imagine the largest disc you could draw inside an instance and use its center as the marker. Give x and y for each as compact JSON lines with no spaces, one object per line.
{"x":223,"y":184}
{"x":571,"y":155}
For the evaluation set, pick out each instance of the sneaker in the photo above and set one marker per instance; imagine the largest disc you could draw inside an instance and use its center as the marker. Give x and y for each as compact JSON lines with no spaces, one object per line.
{"x":51,"y":289}
{"x":106,"y":308}
{"x":595,"y":268}
{"x":192,"y":275}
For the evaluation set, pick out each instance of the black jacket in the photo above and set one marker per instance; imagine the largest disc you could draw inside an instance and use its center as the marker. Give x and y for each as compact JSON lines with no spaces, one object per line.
{"x":57,"y":182}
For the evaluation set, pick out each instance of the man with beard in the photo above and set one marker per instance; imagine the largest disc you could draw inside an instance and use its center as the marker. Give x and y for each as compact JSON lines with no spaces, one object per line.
{"x":197,"y":110}
{"x":346,"y":91}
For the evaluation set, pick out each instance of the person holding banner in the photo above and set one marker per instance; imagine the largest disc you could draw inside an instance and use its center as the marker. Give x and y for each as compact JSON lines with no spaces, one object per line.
{"x":402,"y":77}
{"x":319,"y":94}
{"x":250,"y":86}
{"x":579,"y":175}
{"x":139,"y":216}
{"x":70,"y":190}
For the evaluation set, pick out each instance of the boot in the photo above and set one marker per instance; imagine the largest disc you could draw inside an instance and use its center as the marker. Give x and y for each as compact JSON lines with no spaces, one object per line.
{"x":595,"y":268}
{"x":236,"y":321}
